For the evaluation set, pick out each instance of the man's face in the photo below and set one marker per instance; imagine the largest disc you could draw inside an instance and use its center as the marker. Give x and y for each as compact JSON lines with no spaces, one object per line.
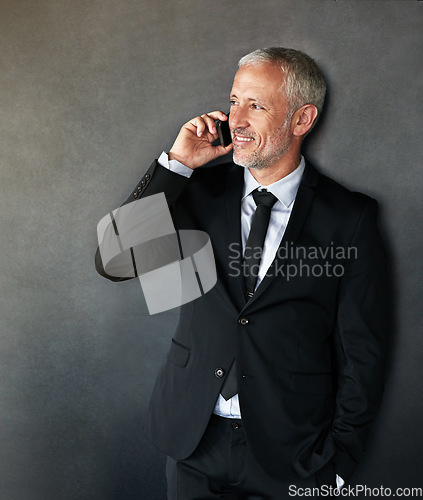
{"x":260,"y":127}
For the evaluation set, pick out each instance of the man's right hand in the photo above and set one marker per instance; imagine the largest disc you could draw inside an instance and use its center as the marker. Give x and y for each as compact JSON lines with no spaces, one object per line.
{"x":193,"y":146}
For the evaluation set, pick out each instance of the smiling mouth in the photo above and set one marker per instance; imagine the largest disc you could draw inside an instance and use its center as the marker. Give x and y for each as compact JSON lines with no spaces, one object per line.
{"x":243,"y":139}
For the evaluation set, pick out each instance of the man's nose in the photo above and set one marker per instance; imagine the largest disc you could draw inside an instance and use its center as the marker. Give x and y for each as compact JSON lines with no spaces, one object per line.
{"x":238,"y":118}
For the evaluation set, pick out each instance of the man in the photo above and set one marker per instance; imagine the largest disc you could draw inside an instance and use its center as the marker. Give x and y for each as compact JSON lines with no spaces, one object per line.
{"x":274,"y":376}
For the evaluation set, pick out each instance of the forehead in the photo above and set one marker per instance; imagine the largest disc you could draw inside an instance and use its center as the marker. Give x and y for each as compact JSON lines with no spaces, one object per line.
{"x":264,"y":80}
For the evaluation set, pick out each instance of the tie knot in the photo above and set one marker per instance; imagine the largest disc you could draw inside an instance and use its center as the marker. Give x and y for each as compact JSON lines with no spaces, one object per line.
{"x":264,"y":198}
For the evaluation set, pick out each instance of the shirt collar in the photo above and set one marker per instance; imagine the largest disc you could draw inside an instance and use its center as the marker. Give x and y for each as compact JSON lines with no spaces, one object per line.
{"x":284,"y":189}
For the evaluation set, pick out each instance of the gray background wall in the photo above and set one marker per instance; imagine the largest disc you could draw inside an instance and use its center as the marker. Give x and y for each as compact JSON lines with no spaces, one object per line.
{"x":90,"y":93}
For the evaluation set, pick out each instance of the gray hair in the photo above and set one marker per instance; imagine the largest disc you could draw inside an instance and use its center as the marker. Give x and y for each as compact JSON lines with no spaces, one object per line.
{"x":304,"y":82}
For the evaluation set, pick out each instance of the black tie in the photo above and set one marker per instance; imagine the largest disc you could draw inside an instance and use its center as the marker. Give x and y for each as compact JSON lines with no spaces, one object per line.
{"x":255,"y":242}
{"x":252,"y":256}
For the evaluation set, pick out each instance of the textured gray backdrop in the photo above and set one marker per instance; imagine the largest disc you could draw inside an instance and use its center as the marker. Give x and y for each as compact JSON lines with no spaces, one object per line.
{"x":90,"y":93}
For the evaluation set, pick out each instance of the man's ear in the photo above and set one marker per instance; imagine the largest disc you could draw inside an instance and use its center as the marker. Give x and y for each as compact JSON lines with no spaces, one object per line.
{"x":303,"y":119}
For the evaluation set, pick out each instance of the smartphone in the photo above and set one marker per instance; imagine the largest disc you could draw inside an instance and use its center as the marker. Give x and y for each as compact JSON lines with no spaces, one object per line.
{"x":224,"y":132}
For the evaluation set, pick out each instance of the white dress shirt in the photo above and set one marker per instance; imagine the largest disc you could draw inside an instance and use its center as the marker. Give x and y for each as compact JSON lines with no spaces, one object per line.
{"x":285,"y":190}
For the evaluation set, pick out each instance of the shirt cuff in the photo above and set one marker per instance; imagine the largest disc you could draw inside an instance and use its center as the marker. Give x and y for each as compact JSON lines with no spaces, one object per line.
{"x":174,"y":165}
{"x":339,"y":482}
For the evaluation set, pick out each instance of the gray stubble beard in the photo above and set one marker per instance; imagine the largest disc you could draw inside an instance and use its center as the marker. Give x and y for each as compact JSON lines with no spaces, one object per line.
{"x":257,"y":162}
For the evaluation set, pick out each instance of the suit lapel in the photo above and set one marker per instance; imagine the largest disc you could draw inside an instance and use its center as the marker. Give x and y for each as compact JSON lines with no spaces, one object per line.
{"x":233,"y":271}
{"x":298,"y":216}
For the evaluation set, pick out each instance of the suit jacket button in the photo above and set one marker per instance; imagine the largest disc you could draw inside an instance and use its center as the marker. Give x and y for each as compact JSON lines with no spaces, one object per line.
{"x":219,"y":372}
{"x":143,"y":182}
{"x":147,"y":177}
{"x":135,"y":195}
{"x":243,"y":321}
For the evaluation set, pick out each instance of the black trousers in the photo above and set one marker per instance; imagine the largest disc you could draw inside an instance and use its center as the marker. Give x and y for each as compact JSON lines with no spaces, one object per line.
{"x":223,"y":467}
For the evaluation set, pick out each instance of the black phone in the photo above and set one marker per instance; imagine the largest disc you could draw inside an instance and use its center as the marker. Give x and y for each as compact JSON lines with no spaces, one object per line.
{"x":224,"y":132}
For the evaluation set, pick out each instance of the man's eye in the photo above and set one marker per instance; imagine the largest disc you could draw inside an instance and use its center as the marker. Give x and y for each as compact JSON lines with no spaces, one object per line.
{"x":256,"y":106}
{"x":232,"y":103}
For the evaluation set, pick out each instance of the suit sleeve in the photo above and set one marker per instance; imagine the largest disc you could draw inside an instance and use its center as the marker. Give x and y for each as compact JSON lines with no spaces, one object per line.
{"x":157,"y":179}
{"x":360,"y":342}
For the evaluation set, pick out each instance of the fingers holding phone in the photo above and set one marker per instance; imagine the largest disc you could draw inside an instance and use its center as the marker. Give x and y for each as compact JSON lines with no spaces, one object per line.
{"x":194,"y":145}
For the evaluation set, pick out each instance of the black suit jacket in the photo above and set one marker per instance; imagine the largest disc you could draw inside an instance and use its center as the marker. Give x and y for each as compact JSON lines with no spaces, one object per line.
{"x":309,"y":348}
